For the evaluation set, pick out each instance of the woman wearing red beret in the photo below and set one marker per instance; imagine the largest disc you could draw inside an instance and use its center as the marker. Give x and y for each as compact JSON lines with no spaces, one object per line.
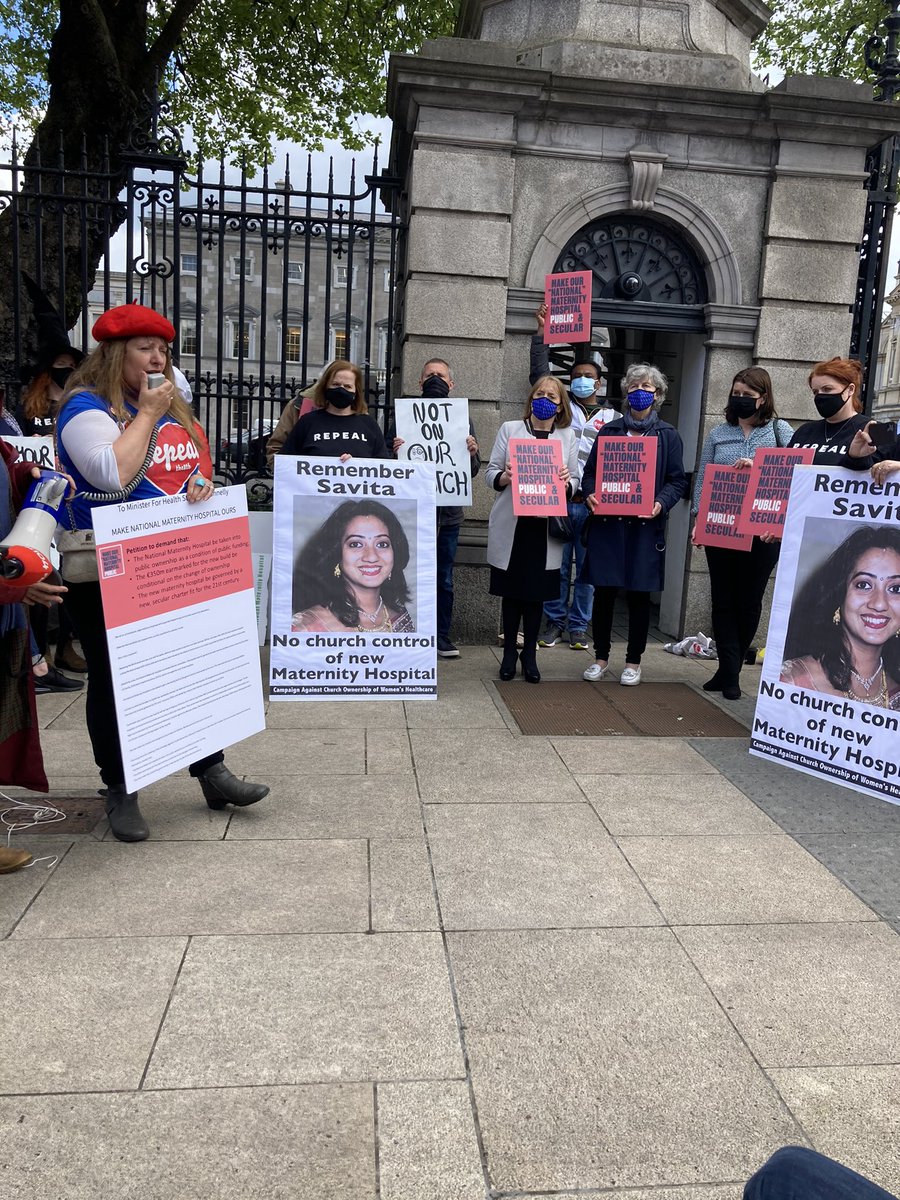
{"x":104,"y":429}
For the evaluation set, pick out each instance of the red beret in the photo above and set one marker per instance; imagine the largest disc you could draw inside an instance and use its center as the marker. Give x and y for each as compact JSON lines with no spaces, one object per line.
{"x":132,"y":320}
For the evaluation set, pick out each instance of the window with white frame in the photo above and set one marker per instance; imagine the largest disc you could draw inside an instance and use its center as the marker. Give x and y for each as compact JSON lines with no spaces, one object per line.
{"x":340,"y":344}
{"x":387,"y":279}
{"x":188,"y":337}
{"x":293,"y":343}
{"x":242,"y":267}
{"x":240,"y":337}
{"x":342,"y":274}
{"x":189,"y":264}
{"x":295,"y":271}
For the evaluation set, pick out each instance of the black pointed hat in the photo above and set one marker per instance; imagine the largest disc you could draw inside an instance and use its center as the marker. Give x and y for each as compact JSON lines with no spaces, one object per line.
{"x":53,"y":338}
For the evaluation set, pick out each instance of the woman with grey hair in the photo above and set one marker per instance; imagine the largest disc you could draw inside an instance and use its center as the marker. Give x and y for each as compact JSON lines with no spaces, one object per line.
{"x":629,"y":552}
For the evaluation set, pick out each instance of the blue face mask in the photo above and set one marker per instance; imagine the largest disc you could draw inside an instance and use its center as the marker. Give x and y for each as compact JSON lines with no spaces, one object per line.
{"x":543,"y":409}
{"x":641,"y":400}
{"x":583,"y":386}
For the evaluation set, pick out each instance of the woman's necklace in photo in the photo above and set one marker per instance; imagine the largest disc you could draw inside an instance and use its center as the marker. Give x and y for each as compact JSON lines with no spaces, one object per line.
{"x":881,"y":696}
{"x":373,"y":617}
{"x":867,"y":681}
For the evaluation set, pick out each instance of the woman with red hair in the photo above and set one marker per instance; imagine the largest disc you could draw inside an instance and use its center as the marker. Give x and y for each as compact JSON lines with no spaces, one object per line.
{"x":836,"y":387}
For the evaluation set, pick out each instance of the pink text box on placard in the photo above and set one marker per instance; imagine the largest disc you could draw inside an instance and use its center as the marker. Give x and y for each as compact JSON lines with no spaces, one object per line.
{"x":766,"y":501}
{"x":537,"y":488}
{"x":721,"y":501}
{"x":568,"y":300}
{"x":626,"y":476}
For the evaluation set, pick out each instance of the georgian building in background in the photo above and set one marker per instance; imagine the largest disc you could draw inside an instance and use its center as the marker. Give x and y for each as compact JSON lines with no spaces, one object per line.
{"x":887,"y":378}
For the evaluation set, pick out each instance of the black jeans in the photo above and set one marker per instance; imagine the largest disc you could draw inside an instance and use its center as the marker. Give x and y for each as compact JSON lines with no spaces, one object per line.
{"x":737,"y":583}
{"x":638,"y":622}
{"x":86,"y":610}
{"x":795,"y":1173}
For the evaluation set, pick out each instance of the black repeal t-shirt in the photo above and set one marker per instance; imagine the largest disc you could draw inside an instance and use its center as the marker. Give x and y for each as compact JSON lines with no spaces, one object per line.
{"x":831,"y":441}
{"x":321,"y":434}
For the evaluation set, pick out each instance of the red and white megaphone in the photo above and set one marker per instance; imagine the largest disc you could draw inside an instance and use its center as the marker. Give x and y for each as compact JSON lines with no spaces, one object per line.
{"x":25,"y":551}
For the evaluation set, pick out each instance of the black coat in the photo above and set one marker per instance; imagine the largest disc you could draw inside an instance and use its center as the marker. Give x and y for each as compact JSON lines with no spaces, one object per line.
{"x":630,"y":552}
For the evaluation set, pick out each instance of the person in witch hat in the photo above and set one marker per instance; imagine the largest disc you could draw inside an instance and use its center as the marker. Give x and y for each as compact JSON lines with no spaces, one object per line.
{"x":45,"y":381}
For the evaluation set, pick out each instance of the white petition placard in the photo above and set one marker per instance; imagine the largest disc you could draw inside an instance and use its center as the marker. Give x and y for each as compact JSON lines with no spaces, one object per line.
{"x":178,"y":602}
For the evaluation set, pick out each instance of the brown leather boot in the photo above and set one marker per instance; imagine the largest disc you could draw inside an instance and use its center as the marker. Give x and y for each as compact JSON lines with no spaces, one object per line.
{"x":12,"y":860}
{"x":69,"y":659}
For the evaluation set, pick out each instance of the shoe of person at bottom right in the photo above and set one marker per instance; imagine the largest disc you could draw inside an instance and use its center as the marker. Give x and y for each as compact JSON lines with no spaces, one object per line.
{"x":630,"y":677}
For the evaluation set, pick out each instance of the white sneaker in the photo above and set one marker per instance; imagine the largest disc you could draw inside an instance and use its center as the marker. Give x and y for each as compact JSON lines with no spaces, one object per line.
{"x":594,"y":672}
{"x":631,"y":676}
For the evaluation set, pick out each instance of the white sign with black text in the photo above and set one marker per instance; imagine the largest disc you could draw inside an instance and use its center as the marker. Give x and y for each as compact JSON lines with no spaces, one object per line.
{"x":435,"y":432}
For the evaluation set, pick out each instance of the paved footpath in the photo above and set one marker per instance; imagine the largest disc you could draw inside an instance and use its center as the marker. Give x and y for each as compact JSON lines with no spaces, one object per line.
{"x":444,"y":961}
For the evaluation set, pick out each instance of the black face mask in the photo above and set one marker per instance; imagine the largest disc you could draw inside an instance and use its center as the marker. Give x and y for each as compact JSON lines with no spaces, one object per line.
{"x":339,"y":397}
{"x":828,"y":403}
{"x":435,"y":388}
{"x":60,"y":375}
{"x":742,"y":407}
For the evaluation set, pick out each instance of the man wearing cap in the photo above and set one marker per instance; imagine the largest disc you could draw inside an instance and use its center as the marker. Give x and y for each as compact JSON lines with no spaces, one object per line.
{"x":436,"y":383}
{"x":107,"y":425}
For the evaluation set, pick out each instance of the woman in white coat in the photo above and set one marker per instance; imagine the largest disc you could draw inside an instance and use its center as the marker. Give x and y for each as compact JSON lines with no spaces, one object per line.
{"x":523,"y":558}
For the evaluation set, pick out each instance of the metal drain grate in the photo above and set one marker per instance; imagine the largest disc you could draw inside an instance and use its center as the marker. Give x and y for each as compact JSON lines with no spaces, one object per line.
{"x":604,"y":710}
{"x":82,"y":813}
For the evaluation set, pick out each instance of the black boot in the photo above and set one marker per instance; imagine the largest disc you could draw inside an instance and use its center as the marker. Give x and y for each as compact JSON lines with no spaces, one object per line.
{"x":125,"y":818}
{"x":509,"y":663}
{"x":220,"y":787}
{"x":529,"y":665}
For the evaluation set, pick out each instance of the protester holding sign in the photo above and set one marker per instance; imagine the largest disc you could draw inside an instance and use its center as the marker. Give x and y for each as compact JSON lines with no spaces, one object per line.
{"x":524,"y":559}
{"x":124,"y":440}
{"x":738,"y":578}
{"x":836,"y":386}
{"x":339,"y":425}
{"x":843,"y":635}
{"x":629,"y":552}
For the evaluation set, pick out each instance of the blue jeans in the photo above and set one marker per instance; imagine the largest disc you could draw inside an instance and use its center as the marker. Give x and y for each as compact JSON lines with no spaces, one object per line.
{"x":447,"y":541}
{"x":558,"y":612}
{"x":794,"y":1173}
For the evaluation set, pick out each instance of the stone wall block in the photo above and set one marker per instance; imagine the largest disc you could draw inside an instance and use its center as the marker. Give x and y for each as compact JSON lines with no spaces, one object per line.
{"x":474,"y":365}
{"x":459,"y":245}
{"x":802,"y":331}
{"x":822,"y":210}
{"x":466,"y":124}
{"x":462,"y":180}
{"x":804,"y":271}
{"x":457,"y":306}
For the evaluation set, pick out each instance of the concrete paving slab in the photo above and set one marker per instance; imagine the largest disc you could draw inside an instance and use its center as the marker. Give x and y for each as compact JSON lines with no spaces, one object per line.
{"x":62,"y":710}
{"x":319,"y":806}
{"x":19,"y":889}
{"x":531,"y":866}
{"x":805,"y":995}
{"x":81,"y":1016}
{"x":800,"y":803}
{"x":203,"y":887}
{"x":869,"y":863}
{"x":852,"y":1114}
{"x":739,"y":879}
{"x":625,"y":755}
{"x":306,"y":1143}
{"x":298,"y":752}
{"x":470,"y":708}
{"x":388,"y":752}
{"x":427,"y":1142}
{"x":599,"y":1059}
{"x":494,"y":767}
{"x":402,"y":892}
{"x":67,"y":755}
{"x":335,"y":714}
{"x":661,"y":804}
{"x":311,"y":1009}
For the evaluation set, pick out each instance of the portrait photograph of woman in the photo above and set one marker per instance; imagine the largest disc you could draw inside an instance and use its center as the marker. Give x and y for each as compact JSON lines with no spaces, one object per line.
{"x":352,"y":570}
{"x":843,"y":635}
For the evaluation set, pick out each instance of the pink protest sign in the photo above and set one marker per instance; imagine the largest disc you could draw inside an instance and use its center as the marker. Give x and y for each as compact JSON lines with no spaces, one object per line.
{"x":721,"y":501}
{"x":626,"y":476}
{"x":537,"y":490}
{"x":568,"y":300}
{"x":765,"y":505}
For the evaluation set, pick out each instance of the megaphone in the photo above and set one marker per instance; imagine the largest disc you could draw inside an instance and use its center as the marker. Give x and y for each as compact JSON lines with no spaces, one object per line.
{"x":25,"y":551}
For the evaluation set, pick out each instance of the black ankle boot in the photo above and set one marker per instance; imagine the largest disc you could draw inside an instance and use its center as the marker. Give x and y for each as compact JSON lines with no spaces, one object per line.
{"x":220,"y":787}
{"x":529,"y":666}
{"x":125,"y":818}
{"x":508,"y":665}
